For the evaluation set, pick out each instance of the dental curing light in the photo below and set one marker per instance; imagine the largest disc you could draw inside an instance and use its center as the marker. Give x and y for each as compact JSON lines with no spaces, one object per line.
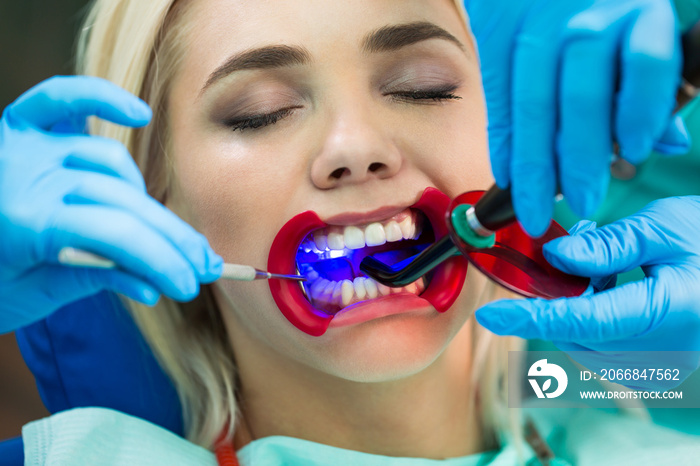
{"x":482,"y":228}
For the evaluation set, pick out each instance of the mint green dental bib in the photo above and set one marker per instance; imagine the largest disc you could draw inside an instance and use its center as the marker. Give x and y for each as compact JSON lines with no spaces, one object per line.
{"x":582,"y":437}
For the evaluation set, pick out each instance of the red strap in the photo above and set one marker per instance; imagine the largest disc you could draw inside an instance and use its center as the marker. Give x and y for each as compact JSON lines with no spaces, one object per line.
{"x":225,"y":454}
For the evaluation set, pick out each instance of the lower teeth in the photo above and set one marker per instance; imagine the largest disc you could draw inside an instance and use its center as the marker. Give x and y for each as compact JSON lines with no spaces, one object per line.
{"x":333,"y":296}
{"x":327,"y":287}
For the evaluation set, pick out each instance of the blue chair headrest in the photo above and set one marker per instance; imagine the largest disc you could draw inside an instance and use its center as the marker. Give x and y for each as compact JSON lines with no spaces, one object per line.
{"x":91,"y":353}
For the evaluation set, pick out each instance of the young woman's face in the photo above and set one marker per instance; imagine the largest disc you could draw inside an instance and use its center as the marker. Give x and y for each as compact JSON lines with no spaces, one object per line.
{"x":347,"y":109}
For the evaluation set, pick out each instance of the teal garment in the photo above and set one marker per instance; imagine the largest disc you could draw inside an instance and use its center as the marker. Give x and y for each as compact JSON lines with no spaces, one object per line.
{"x":688,"y":12}
{"x":582,"y":437}
{"x":290,"y":451}
{"x":100,"y":436}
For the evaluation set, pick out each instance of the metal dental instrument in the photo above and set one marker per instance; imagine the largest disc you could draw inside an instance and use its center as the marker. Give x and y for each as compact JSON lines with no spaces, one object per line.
{"x":79,"y":258}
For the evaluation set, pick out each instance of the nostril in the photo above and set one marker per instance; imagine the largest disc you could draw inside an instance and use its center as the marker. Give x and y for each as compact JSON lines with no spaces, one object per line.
{"x":376,"y":166}
{"x":338,"y":173}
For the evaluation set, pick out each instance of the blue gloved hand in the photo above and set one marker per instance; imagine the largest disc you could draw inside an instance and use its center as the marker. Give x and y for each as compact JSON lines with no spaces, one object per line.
{"x":550,"y":69}
{"x":658,"y":314}
{"x":60,"y":187}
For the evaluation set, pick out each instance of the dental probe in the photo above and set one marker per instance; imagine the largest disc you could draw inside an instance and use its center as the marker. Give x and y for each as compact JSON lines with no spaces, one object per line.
{"x":79,"y":258}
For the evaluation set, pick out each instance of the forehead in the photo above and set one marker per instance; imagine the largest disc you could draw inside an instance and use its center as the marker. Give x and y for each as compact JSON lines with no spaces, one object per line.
{"x":218,"y":28}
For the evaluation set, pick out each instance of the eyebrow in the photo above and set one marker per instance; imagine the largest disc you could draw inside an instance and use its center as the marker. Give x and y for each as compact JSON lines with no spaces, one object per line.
{"x":273,"y":56}
{"x":385,"y":39}
{"x":389,"y":38}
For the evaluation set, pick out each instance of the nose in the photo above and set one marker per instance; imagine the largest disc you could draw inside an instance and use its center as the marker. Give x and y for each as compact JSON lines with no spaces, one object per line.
{"x":357,"y":148}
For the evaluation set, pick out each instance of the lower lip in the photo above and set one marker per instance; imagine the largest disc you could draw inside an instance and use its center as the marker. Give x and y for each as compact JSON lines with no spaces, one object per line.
{"x":377,"y":308}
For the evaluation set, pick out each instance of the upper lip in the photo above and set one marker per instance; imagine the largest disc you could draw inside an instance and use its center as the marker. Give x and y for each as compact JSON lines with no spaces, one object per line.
{"x":358,"y":218}
{"x":361,"y":218}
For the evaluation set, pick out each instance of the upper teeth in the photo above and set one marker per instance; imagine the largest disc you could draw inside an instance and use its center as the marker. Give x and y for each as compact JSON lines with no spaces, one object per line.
{"x":401,"y":226}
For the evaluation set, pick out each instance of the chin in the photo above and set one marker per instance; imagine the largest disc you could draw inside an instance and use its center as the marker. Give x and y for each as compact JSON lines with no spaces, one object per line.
{"x":390,"y":348}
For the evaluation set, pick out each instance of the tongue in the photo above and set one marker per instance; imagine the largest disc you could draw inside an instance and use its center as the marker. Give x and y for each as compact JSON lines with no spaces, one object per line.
{"x":335,"y":269}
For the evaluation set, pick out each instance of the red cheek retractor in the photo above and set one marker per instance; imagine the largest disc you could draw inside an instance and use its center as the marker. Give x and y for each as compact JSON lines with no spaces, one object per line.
{"x":442,"y":292}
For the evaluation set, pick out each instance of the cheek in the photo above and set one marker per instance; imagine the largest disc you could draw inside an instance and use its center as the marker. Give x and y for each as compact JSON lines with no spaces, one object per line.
{"x":476,"y":292}
{"x":222,"y":191}
{"x":218,"y":207}
{"x":465,"y":148}
{"x":249,"y":308}
{"x":452,"y":149}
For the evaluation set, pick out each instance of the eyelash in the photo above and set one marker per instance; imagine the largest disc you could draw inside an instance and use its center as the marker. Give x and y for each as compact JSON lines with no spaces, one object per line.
{"x":260,"y":121}
{"x":435,"y":95}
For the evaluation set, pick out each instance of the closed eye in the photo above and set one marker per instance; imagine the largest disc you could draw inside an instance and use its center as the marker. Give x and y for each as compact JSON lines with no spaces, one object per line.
{"x":258,"y":121}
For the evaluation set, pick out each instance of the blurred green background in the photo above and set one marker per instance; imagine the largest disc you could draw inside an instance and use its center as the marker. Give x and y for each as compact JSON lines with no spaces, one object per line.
{"x":37,"y":38}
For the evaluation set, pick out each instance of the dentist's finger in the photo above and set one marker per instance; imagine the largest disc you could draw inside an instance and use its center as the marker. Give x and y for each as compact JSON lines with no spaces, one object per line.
{"x":585,"y":139}
{"x":59,"y":286}
{"x":103,"y":155}
{"x":582,"y":226}
{"x":597,"y":283}
{"x":534,"y":129}
{"x":496,"y":65}
{"x":623,"y":312}
{"x":114,"y":193}
{"x":125,"y":239}
{"x":675,"y":140}
{"x":651,"y":63}
{"x":615,"y":248}
{"x":64,"y":98}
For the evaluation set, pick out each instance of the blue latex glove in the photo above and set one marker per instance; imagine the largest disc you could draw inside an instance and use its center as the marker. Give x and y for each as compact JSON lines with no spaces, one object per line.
{"x":659,"y":314}
{"x":61,"y":187}
{"x":550,"y":69}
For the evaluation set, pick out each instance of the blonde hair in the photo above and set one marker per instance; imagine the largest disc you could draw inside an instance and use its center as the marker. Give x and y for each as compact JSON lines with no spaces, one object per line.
{"x":138,"y":45}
